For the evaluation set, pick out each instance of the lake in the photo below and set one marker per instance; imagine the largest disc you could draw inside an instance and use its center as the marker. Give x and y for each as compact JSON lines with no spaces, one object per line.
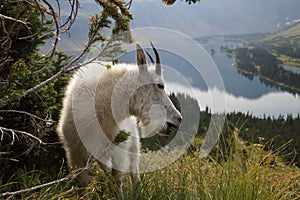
{"x":250,"y":93}
{"x":292,"y":69}
{"x":239,"y":92}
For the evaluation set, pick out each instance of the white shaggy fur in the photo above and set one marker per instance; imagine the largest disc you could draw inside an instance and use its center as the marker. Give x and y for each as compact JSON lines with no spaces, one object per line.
{"x":100,"y":101}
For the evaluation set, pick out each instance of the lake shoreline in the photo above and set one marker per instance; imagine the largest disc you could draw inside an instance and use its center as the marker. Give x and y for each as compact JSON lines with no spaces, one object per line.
{"x":280,"y":84}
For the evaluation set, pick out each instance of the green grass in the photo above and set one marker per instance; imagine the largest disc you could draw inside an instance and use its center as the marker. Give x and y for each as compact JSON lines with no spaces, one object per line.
{"x":248,"y":173}
{"x":289,"y":61}
{"x":291,"y":32}
{"x":289,"y":38}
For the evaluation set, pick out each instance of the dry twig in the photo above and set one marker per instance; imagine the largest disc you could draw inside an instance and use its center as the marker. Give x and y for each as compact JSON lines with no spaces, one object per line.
{"x":48,"y":121}
{"x":73,"y":174}
{"x":14,"y":133}
{"x":13,"y":19}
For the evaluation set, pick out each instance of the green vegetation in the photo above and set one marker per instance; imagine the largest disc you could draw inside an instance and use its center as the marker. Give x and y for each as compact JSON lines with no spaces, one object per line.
{"x":273,"y":133}
{"x":257,"y":61}
{"x":291,"y":33}
{"x":32,"y":85}
{"x":270,"y":131}
{"x":285,"y":45}
{"x":170,"y":2}
{"x":248,"y":173}
{"x":264,"y":55}
{"x":22,"y":67}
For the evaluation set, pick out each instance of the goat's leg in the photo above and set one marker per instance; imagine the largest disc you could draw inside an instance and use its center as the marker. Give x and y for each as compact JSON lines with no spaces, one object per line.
{"x":120,"y":165}
{"x":118,"y":178}
{"x":84,"y":181}
{"x":77,"y":159}
{"x":134,"y":158}
{"x":134,"y":171}
{"x":83,"y":178}
{"x":107,"y":171}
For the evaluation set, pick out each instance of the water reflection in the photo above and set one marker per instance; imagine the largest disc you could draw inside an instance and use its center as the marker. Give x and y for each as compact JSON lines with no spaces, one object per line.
{"x":270,"y":104}
{"x":243,"y":92}
{"x":293,"y":69}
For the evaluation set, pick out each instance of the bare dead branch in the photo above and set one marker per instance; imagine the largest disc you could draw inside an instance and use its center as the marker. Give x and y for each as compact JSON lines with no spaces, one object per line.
{"x":73,"y":174}
{"x":6,"y":43}
{"x":129,"y":4}
{"x":48,"y":121}
{"x":27,"y":37}
{"x":16,"y":20}
{"x":56,"y":37}
{"x":67,"y":68}
{"x":59,"y":29}
{"x":45,"y":6}
{"x":63,"y":70}
{"x":74,"y":4}
{"x":14,"y":135}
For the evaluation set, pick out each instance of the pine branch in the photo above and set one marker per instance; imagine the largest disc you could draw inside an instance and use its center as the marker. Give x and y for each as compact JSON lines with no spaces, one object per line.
{"x":97,"y":24}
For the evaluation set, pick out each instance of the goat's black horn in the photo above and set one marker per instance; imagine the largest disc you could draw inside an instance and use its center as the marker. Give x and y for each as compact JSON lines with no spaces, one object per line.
{"x":150,"y":57}
{"x":158,"y":67}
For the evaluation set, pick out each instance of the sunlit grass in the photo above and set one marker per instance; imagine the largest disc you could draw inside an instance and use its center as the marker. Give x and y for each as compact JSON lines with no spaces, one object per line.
{"x":286,"y":60}
{"x":291,"y":32}
{"x":248,"y":172}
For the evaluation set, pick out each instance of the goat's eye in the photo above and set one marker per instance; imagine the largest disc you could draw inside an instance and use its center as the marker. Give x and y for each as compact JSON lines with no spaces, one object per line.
{"x":160,"y":86}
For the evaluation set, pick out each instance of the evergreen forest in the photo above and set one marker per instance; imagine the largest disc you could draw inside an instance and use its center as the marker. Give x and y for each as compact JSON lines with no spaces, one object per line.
{"x":263,"y":55}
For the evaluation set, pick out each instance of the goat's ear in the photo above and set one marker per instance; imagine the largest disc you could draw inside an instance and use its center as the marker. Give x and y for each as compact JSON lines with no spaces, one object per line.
{"x":141,"y":58}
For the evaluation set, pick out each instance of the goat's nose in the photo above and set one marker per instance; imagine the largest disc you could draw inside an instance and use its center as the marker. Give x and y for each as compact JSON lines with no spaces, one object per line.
{"x":179,"y":119}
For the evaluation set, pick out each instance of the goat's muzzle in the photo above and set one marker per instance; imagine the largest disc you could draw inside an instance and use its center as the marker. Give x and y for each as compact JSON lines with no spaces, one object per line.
{"x":169,"y":127}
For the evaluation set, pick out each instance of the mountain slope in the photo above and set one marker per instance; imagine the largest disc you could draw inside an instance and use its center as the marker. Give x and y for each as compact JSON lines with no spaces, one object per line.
{"x":216,"y":17}
{"x":291,"y":33}
{"x":208,"y":17}
{"x":285,"y":45}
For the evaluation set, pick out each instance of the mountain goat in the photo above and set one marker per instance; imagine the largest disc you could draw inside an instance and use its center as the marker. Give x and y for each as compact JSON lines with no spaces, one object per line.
{"x":101,"y":101}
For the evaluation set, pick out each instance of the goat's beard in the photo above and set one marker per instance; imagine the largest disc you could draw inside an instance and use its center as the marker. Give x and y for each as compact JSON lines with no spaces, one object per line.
{"x":150,"y":128}
{"x":165,"y":131}
{"x":153,"y":122}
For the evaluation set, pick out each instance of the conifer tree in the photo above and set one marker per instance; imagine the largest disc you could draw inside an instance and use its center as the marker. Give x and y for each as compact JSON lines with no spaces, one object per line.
{"x":32,"y":84}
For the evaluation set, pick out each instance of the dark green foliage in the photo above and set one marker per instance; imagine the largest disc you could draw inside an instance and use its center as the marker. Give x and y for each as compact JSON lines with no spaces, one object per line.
{"x":175,"y":101}
{"x":118,"y":11}
{"x":37,"y":112}
{"x":121,"y":137}
{"x":46,"y":104}
{"x":269,"y":131}
{"x":170,"y":2}
{"x":28,"y":139}
{"x":263,"y":55}
{"x":188,"y":107}
{"x":258,"y":61}
{"x":20,"y":40}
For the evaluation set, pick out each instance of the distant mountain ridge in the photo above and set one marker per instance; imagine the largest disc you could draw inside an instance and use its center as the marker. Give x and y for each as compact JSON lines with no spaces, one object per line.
{"x":208,"y":17}
{"x":217,"y":17}
{"x":290,"y":32}
{"x":284,"y":44}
